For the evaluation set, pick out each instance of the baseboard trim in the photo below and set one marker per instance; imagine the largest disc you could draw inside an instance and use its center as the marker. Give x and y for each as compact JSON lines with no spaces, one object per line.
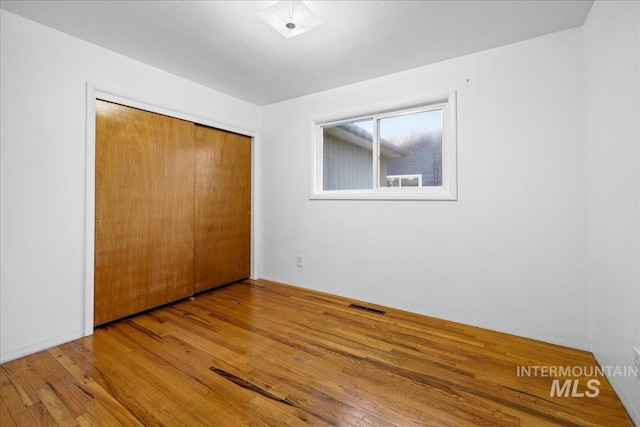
{"x":39,"y":346}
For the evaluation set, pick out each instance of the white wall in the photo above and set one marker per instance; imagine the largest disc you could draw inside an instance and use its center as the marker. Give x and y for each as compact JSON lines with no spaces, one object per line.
{"x":509,"y":255}
{"x":43,"y":78}
{"x":612,"y":67}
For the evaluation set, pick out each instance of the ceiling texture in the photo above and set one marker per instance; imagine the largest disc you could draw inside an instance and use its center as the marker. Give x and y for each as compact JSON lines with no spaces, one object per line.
{"x":225,"y":46}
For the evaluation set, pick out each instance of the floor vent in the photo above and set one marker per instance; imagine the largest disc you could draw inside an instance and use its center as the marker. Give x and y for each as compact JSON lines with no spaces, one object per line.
{"x":369,"y":309}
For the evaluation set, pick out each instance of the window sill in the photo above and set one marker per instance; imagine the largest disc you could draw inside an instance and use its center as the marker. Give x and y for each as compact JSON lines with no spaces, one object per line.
{"x":383,"y":194}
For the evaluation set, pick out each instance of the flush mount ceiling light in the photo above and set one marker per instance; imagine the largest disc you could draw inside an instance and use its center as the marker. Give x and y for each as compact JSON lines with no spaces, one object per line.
{"x":289,"y":18}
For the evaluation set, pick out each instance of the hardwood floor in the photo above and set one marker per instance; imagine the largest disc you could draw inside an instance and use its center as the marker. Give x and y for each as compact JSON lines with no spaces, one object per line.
{"x":262,"y":353}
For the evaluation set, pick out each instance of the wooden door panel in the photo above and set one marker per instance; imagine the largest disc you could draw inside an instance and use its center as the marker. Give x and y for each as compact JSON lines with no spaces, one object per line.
{"x":222,"y":227}
{"x":144,"y":211}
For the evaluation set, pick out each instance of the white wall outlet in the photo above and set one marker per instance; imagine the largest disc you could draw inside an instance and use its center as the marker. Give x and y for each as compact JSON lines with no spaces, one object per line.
{"x":299,"y":260}
{"x":636,"y":361}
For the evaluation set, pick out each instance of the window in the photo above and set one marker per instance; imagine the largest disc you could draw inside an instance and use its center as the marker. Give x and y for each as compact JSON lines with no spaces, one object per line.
{"x":404,"y":180}
{"x":405,"y":151}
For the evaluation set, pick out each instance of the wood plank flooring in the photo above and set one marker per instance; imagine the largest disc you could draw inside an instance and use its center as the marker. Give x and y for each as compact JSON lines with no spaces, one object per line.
{"x":261,"y":353}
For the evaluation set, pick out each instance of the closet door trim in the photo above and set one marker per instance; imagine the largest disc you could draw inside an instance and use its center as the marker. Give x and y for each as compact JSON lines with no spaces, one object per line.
{"x":96,"y":91}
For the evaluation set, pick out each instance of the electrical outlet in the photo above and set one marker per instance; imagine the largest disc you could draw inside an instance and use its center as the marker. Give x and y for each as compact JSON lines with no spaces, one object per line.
{"x":636,"y":361}
{"x":299,"y":261}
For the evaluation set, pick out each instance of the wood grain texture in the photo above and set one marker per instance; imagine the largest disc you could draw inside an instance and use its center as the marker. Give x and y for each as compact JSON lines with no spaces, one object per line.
{"x":261,"y":353}
{"x":144,"y":210}
{"x":222,"y":207}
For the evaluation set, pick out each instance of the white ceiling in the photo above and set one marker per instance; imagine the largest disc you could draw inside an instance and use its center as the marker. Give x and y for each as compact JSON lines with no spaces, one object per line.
{"x":223,"y":45}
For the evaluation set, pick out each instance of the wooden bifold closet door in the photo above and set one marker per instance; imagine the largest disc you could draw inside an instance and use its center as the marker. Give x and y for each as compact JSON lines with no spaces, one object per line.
{"x":173,"y":202}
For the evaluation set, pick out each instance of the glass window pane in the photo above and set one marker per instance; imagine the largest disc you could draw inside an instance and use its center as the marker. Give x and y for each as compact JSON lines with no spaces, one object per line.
{"x":411,"y":150}
{"x":410,"y":182}
{"x":348,"y":156}
{"x":393,"y":182}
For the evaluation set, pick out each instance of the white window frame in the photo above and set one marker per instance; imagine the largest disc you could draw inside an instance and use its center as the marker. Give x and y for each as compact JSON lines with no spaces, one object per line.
{"x":445,"y":101}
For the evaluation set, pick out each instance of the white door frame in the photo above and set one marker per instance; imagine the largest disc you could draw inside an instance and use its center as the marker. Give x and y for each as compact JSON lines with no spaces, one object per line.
{"x":97,"y":91}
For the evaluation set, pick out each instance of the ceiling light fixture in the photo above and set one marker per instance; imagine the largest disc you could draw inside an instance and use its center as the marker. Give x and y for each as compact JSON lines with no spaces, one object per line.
{"x":289,"y":18}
